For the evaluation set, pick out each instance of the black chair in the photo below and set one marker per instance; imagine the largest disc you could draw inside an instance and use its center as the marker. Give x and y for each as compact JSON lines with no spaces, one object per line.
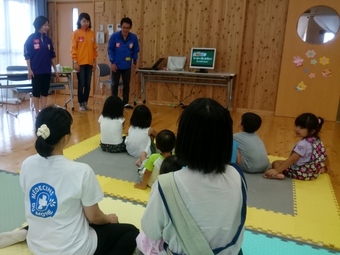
{"x":24,"y":85}
{"x":104,"y":82}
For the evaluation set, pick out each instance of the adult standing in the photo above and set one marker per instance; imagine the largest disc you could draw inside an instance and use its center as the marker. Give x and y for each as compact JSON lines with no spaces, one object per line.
{"x":123,"y":51}
{"x":39,"y":55}
{"x":84,"y":54}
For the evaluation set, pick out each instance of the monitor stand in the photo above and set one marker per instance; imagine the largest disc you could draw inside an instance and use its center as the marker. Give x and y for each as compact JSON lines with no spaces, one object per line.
{"x":202,"y":70}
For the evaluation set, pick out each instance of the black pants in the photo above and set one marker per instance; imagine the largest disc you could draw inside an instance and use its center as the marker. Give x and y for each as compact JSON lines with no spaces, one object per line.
{"x":84,"y":83}
{"x":115,"y":239}
{"x":126,"y":76}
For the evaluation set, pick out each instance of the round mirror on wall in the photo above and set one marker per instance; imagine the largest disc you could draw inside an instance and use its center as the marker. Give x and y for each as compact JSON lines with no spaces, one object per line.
{"x":318,"y":24}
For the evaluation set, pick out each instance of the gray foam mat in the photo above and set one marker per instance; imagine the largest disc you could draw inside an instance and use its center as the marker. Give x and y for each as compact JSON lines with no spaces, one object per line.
{"x":116,"y":165}
{"x":12,"y":211}
{"x":272,"y":195}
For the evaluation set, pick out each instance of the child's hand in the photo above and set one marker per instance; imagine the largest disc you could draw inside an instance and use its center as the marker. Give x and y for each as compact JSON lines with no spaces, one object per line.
{"x":113,"y":218}
{"x":139,"y":186}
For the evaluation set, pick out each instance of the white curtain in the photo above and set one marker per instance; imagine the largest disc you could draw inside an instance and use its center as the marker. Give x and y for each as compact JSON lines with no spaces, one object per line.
{"x":302,"y":26}
{"x":329,"y":23}
{"x":16,"y":24}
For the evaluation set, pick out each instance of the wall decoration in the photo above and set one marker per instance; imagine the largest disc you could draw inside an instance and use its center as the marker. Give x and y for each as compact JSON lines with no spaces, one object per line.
{"x":301,"y":86}
{"x":326,"y":73}
{"x":310,"y":53}
{"x":305,"y":70}
{"x":324,"y":60}
{"x":311,"y":75}
{"x":297,"y":60}
{"x":318,"y":25}
{"x":314,"y":61}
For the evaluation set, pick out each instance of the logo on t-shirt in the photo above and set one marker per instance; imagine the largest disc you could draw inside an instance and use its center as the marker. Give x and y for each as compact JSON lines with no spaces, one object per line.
{"x":81,"y":38}
{"x":43,"y":200}
{"x":117,"y":44}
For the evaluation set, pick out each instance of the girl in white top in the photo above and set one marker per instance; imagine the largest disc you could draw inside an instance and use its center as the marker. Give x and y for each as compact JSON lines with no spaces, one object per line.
{"x":111,"y":125}
{"x":213,"y":191}
{"x":61,"y":198}
{"x":139,"y":141}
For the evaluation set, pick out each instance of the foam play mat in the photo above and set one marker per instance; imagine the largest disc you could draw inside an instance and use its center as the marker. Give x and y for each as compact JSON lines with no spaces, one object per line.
{"x":288,"y":208}
{"x":284,"y":217}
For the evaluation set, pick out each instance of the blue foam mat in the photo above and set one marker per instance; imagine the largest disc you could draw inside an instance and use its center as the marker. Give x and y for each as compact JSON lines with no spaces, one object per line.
{"x":255,"y":243}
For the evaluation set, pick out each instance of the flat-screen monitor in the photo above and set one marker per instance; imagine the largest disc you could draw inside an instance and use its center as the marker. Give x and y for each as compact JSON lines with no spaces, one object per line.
{"x":202,"y":58}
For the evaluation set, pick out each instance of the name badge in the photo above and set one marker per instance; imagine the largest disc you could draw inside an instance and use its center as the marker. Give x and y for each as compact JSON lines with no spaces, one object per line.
{"x":81,"y":38}
{"x":128,"y":58}
{"x":117,"y":44}
{"x":36,"y":46}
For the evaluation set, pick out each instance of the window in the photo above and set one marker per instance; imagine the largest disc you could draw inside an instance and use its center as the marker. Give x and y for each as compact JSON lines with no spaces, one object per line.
{"x":328,"y":36}
{"x":16,"y":24}
{"x":75,"y":18}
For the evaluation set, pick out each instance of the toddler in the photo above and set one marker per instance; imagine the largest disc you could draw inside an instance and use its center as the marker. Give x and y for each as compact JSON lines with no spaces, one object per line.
{"x":308,"y":158}
{"x":111,"y":125}
{"x":165,"y":142}
{"x":139,"y":141}
{"x":251,"y":154}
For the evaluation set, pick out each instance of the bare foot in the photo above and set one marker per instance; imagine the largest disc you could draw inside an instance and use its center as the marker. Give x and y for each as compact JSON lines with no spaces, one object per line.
{"x":323,"y":170}
{"x":277,"y":176}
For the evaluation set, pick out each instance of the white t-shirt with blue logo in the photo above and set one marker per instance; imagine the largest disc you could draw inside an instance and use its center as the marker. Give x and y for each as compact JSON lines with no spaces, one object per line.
{"x":56,"y":189}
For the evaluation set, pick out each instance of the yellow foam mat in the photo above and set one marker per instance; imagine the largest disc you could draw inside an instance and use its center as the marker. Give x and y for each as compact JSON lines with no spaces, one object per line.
{"x":82,"y":148}
{"x":127,"y":212}
{"x":316,"y":219}
{"x":123,"y":189}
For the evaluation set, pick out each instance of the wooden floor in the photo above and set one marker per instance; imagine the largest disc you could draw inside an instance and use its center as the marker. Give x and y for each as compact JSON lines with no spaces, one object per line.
{"x":17,"y":134}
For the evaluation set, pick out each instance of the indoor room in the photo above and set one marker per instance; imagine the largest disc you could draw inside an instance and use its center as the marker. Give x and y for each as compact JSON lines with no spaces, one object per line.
{"x":271,"y":61}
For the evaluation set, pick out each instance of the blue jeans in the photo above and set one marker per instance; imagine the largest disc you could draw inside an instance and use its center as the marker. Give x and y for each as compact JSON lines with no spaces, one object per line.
{"x":84,"y":83}
{"x":126,"y":76}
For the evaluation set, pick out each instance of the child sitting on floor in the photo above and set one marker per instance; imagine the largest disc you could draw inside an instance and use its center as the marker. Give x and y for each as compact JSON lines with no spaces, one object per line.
{"x":165,"y":142}
{"x":139,"y":141}
{"x":111,"y":125}
{"x":252,"y":154}
{"x":144,"y":244}
{"x":308,"y":158}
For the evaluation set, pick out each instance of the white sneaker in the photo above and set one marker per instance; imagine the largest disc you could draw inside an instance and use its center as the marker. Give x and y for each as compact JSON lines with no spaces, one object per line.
{"x":127,"y":106}
{"x":12,"y":237}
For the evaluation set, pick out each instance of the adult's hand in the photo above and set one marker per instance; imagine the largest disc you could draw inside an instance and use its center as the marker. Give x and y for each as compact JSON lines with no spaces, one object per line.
{"x":114,"y":67}
{"x":30,"y":74}
{"x":76,"y":67}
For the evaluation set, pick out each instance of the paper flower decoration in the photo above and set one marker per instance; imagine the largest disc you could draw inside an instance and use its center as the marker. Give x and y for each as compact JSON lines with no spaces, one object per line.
{"x":311,"y":75}
{"x":297,"y":61}
{"x":301,"y":86}
{"x":310,"y":53}
{"x":314,"y":61}
{"x":305,"y":70}
{"x":324,"y":61}
{"x":326,"y":73}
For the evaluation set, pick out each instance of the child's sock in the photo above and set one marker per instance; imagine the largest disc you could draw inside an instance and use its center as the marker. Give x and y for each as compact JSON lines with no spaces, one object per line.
{"x":12,"y":237}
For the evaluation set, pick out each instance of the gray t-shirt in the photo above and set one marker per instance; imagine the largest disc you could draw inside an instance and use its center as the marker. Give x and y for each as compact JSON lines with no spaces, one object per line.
{"x":253,"y":151}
